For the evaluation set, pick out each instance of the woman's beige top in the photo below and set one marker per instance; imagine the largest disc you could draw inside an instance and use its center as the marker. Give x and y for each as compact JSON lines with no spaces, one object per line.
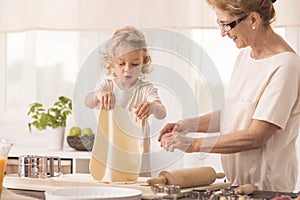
{"x":268,"y":90}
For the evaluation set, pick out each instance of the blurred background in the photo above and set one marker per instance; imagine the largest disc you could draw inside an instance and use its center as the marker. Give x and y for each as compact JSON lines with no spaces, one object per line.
{"x":45,"y":43}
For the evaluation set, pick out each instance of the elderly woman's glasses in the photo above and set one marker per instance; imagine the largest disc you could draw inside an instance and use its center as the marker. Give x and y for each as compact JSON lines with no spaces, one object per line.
{"x":231,"y":25}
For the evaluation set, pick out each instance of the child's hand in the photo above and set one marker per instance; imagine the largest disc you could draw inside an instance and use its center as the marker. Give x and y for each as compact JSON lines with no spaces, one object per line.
{"x":143,"y":110}
{"x":107,"y":100}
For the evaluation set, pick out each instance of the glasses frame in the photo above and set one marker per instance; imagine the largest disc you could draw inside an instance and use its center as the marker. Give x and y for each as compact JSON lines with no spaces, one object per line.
{"x":231,"y":25}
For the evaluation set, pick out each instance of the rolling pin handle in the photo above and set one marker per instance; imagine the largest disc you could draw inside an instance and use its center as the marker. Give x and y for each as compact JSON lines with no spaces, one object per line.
{"x":220,"y":175}
{"x":159,"y":180}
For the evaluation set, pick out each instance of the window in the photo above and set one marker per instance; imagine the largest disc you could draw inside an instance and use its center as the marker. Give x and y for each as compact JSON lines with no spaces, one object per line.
{"x":41,"y":65}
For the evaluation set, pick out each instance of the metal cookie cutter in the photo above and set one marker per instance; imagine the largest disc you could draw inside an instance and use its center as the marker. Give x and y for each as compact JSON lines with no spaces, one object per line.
{"x":54,"y":166}
{"x":169,"y":191}
{"x":39,"y":166}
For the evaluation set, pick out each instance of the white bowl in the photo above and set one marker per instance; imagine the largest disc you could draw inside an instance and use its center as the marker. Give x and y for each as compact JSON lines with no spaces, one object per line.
{"x":93,"y":193}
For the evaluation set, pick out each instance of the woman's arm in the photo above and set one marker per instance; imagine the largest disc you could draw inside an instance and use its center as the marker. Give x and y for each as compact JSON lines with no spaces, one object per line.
{"x":254,"y":137}
{"x":206,"y":123}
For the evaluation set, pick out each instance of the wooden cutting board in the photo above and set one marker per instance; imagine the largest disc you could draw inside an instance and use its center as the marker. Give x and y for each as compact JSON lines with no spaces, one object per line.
{"x":8,"y":195}
{"x":73,"y":180}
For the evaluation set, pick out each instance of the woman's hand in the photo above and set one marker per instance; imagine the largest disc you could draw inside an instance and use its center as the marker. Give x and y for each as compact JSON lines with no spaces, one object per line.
{"x":107,"y":100}
{"x":179,"y":126}
{"x":177,"y":140}
{"x":172,"y":136}
{"x":168,"y":128}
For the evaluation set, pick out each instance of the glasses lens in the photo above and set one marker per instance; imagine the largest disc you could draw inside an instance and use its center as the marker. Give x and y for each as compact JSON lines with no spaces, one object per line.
{"x":226,"y":28}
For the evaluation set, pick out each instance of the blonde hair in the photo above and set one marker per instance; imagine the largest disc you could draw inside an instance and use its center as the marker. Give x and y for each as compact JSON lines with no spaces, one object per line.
{"x":130,"y":39}
{"x":264,"y":8}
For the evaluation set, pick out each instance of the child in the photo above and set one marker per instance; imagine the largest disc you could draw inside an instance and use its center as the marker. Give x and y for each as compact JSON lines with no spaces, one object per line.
{"x":126,"y":59}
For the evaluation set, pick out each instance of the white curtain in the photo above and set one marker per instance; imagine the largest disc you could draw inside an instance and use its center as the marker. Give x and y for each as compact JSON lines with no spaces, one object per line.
{"x":91,"y":15}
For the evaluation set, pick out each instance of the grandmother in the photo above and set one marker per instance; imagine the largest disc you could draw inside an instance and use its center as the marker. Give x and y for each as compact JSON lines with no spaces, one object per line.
{"x":259,"y":122}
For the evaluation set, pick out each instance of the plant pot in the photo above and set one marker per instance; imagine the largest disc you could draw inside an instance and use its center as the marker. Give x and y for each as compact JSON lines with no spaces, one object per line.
{"x":55,"y":138}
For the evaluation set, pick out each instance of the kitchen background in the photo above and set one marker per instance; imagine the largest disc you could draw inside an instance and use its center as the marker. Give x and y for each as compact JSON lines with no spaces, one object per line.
{"x":45,"y":45}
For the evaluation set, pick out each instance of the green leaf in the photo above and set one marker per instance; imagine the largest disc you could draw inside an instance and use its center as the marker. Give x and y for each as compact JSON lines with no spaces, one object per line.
{"x":53,"y":117}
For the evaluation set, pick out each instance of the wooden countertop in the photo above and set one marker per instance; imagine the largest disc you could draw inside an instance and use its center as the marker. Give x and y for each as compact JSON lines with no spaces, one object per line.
{"x":16,"y":194}
{"x":30,"y":186}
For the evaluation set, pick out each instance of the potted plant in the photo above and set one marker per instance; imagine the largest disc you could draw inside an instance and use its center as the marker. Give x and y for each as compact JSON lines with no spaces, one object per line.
{"x":54,"y":117}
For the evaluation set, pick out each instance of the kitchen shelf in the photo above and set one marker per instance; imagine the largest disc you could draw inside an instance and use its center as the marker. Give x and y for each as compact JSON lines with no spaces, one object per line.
{"x":79,"y":159}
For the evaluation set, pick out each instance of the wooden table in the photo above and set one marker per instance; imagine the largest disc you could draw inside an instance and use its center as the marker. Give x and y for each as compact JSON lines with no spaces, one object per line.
{"x":29,"y":193}
{"x":16,"y":194}
{"x":33,"y":195}
{"x":35,"y":187}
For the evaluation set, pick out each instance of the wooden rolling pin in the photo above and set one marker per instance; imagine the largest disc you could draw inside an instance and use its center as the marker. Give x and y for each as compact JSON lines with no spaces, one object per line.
{"x":190,"y":177}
